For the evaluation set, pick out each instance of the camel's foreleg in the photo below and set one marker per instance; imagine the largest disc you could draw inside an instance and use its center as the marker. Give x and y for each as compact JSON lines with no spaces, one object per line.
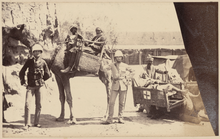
{"x":108,"y":91}
{"x":62,"y":99}
{"x":108,"y":84}
{"x":69,"y":100}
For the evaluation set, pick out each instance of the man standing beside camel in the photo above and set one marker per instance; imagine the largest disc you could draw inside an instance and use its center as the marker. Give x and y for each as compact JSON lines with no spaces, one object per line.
{"x":38,"y":72}
{"x":121,"y":73}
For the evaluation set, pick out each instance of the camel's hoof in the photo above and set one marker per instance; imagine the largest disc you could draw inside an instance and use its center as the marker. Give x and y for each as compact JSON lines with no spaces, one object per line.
{"x":73,"y":121}
{"x":104,"y":118}
{"x":59,"y":119}
{"x":107,"y":122}
{"x":4,"y":121}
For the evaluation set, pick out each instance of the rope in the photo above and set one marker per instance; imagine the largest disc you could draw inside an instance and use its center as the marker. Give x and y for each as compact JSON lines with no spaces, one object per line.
{"x":54,"y":56}
{"x":126,"y":55}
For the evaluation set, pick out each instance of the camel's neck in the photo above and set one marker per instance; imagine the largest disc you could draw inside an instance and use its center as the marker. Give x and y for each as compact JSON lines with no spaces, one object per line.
{"x":48,"y":55}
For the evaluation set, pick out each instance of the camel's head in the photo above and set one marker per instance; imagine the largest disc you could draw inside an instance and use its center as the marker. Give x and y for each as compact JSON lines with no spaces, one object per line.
{"x":185,"y":92}
{"x":15,"y":54}
{"x":17,"y":42}
{"x":174,"y":77}
{"x":21,"y":33}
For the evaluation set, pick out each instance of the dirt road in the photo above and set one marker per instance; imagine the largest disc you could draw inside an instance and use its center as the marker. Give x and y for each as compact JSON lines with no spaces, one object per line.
{"x":89,"y":108}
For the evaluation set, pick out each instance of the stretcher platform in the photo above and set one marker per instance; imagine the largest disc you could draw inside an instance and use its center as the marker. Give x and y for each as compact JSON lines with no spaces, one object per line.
{"x":152,"y":97}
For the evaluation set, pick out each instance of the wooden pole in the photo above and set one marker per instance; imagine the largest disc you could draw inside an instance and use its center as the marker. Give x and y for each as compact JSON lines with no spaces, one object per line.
{"x":140,"y":56}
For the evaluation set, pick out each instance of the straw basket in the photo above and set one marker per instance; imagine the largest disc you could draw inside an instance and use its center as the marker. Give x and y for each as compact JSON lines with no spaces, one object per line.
{"x":89,"y":63}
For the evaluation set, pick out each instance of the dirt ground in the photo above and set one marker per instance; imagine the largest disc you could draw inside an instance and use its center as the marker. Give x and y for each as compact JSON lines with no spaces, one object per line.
{"x":89,"y":99}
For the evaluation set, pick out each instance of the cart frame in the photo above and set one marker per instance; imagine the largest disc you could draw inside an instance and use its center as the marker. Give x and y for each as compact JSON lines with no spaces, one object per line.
{"x":153,"y":97}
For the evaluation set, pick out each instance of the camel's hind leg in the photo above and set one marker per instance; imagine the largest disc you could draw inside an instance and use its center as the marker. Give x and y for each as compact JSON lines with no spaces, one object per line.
{"x":62,"y":98}
{"x":108,"y":98}
{"x":106,"y":79}
{"x":69,"y":100}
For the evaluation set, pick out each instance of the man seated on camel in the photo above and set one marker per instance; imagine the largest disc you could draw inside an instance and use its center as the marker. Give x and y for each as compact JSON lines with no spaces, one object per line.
{"x":96,"y":44}
{"x":94,"y":47}
{"x":71,"y":48}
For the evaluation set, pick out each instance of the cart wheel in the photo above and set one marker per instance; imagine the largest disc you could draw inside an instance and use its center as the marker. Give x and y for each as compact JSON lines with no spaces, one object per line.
{"x":154,"y":113}
{"x":150,"y":110}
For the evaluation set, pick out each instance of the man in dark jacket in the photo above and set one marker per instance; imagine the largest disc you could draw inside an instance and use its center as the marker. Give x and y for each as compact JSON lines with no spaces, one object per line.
{"x":72,"y":45}
{"x":38,"y":72}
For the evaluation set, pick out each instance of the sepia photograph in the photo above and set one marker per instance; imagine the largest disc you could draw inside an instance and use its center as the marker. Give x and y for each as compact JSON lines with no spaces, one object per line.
{"x":106,"y":69}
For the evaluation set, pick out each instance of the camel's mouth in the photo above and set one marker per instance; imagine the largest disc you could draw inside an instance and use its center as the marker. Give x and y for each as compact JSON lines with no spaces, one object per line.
{"x":184,"y":92}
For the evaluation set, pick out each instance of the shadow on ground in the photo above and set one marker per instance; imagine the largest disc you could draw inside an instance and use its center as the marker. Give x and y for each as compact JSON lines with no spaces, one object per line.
{"x":46,"y":121}
{"x":141,"y":118}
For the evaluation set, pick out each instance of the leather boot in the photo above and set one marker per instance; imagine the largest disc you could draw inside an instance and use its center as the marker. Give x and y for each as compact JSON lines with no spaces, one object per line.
{"x":66,"y":70}
{"x":71,"y":63}
{"x":121,"y":121}
{"x":78,"y":55}
{"x":140,"y":110}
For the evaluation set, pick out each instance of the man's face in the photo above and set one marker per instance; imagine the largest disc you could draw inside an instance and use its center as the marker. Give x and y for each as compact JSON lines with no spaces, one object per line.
{"x":73,"y":30}
{"x":37,"y":53}
{"x":149,"y":63}
{"x":98,"y":32}
{"x":118,"y":59}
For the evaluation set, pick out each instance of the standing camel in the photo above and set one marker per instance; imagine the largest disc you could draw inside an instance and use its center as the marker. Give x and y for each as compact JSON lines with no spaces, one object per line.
{"x":55,"y":60}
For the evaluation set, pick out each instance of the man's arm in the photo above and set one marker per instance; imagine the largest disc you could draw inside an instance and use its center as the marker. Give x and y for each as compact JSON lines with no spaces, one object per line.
{"x":100,"y":41}
{"x":98,"y":44}
{"x":67,"y":39}
{"x":94,"y":40}
{"x":80,"y":37}
{"x":160,"y":71}
{"x":143,"y":74}
{"x":22,"y":72}
{"x":131,"y":72}
{"x":47,"y":73}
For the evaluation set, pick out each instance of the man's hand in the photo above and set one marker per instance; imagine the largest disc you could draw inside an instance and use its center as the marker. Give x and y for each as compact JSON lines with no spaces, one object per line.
{"x":71,"y":42}
{"x":143,"y":76}
{"x":91,"y":45}
{"x":10,"y":104}
{"x":25,"y":85}
{"x":147,"y":84}
{"x":165,"y":72}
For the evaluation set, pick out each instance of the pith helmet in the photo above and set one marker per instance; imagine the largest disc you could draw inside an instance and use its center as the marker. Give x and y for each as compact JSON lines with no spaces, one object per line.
{"x":37,"y":47}
{"x":149,"y":58}
{"x":118,"y":53}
